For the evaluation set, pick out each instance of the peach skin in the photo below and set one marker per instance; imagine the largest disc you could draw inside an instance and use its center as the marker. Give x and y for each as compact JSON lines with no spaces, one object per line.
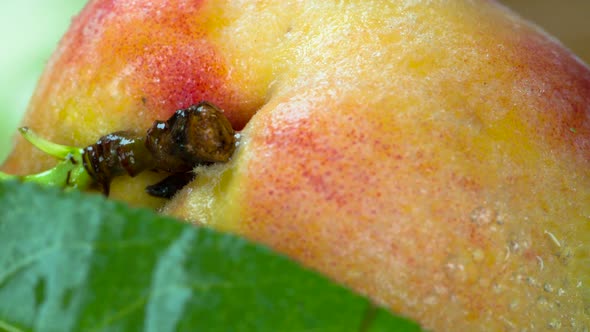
{"x":432,"y":155}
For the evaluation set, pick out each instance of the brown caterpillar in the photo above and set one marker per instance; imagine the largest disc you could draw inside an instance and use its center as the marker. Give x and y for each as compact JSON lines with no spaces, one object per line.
{"x":197,"y":135}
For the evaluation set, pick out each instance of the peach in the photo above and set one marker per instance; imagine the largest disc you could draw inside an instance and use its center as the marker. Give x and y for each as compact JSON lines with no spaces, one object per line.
{"x":431,"y":155}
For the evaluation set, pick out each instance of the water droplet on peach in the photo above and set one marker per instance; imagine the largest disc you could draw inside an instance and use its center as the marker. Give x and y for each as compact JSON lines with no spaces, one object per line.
{"x":555,"y":324}
{"x":548,"y":288}
{"x":482,"y":216}
{"x":514,"y":247}
{"x":531,"y":281}
{"x":513,"y":305}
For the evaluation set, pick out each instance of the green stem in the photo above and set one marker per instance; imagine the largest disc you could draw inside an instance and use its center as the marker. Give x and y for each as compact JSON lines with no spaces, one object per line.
{"x":53,"y":149}
{"x":69,"y":173}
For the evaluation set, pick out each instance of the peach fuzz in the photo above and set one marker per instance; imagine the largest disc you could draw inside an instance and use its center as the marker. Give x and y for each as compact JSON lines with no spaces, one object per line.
{"x":431,"y":155}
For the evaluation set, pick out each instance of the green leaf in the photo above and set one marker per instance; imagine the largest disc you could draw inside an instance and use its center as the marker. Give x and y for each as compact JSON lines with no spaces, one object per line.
{"x":77,"y":262}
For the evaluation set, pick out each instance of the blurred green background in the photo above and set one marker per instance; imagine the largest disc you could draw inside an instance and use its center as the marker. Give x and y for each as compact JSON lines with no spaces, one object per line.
{"x":30,"y":30}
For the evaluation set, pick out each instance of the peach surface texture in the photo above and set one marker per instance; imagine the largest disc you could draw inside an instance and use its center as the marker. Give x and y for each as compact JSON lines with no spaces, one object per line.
{"x":432,"y":155}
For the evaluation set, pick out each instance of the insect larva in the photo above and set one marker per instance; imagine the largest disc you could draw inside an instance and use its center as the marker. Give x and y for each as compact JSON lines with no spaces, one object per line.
{"x":197,"y":135}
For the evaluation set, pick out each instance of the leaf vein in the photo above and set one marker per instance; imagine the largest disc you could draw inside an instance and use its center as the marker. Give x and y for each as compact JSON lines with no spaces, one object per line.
{"x":26,"y":261}
{"x":9,"y":327}
{"x":32,"y":258}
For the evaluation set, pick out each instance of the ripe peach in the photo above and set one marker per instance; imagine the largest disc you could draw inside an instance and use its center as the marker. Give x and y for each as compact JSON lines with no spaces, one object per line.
{"x":431,"y":155}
